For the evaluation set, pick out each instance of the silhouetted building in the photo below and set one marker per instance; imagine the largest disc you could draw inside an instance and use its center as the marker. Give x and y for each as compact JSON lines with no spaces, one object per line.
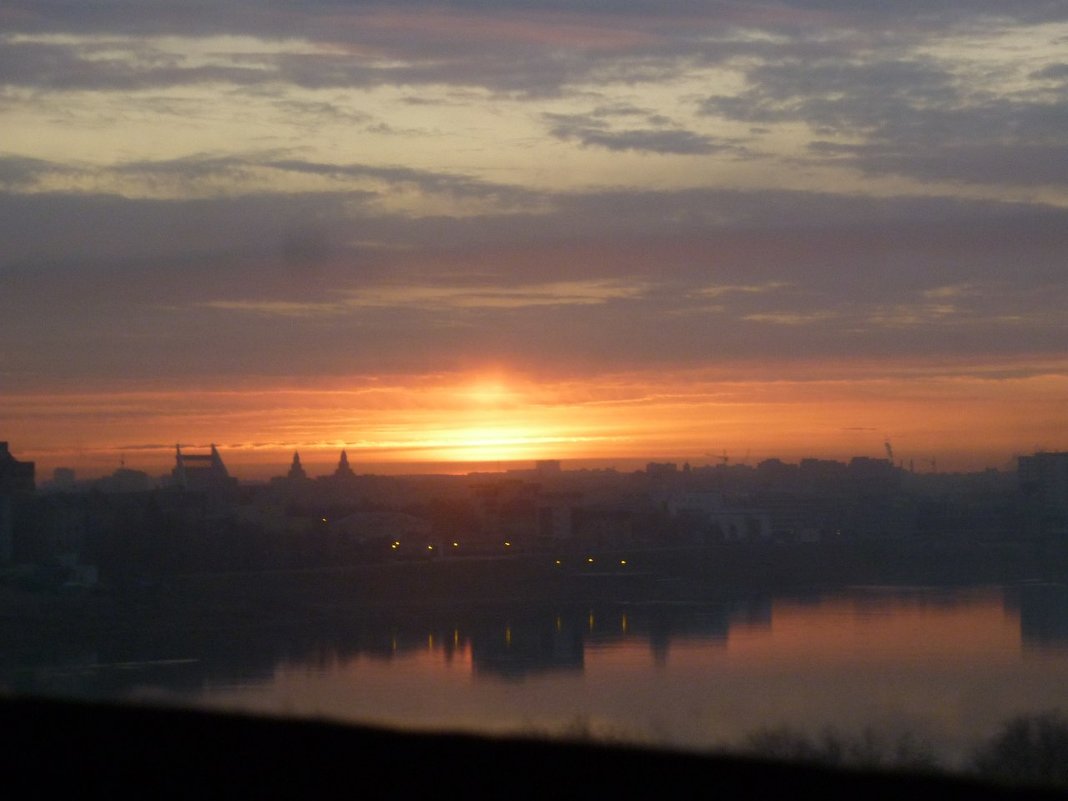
{"x":824,"y":476}
{"x":201,"y":471}
{"x":1043,"y":485}
{"x":869,"y":476}
{"x":7,"y":530}
{"x":295,"y":484}
{"x":343,"y":471}
{"x":16,"y":484}
{"x":410,"y":535}
{"x":508,"y":511}
{"x":124,"y":480}
{"x":704,"y":518}
{"x":296,"y":469}
{"x":63,"y":479}
{"x":547,"y":467}
{"x":661,"y":469}
{"x":16,"y":477}
{"x":556,"y":516}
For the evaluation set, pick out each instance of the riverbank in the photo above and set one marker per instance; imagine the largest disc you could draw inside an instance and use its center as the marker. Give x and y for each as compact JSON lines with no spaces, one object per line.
{"x":706,"y":574}
{"x":121,"y":751}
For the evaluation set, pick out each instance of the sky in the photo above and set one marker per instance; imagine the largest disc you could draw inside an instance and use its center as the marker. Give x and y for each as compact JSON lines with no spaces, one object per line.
{"x":490,"y":230}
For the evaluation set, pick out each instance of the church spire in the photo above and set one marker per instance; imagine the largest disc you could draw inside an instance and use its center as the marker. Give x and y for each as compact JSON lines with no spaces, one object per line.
{"x":296,"y":469}
{"x":343,"y":469}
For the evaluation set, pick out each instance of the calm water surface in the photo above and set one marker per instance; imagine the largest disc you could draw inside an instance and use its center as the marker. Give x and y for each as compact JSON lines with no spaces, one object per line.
{"x":946,"y":665}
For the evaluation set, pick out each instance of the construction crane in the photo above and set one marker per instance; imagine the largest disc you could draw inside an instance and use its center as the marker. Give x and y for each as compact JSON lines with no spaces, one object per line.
{"x":723,"y":459}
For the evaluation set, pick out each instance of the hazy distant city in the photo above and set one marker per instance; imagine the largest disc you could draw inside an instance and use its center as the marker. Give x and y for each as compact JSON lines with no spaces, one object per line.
{"x":195,"y":580}
{"x":603,"y":238}
{"x":130,"y":526}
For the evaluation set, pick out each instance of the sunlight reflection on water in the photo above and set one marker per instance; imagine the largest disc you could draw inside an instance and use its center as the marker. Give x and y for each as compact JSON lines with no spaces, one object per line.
{"x":947,"y":667}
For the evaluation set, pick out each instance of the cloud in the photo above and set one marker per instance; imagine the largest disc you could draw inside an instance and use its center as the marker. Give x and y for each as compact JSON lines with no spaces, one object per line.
{"x":116,"y":65}
{"x":790,"y":318}
{"x":364,"y":47}
{"x":1007,"y":163}
{"x":954,"y":291}
{"x":20,"y":173}
{"x":437,"y":298}
{"x":593,"y":130}
{"x":714,"y":237}
{"x":716,"y":291}
{"x":294,"y":190}
{"x":532,"y":49}
{"x":107,"y":230}
{"x":1054,"y":72}
{"x":912,"y":114}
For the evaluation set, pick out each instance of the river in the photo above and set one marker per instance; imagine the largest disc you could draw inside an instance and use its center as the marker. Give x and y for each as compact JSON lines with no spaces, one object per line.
{"x":940,"y":667}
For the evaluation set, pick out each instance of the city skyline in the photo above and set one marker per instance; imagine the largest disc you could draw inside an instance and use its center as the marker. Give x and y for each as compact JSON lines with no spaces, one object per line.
{"x":320,"y":463}
{"x":482,"y":232}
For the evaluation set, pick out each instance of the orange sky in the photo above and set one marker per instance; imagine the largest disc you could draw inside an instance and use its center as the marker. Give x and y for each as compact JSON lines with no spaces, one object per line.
{"x":962,"y":419}
{"x":504,"y":230}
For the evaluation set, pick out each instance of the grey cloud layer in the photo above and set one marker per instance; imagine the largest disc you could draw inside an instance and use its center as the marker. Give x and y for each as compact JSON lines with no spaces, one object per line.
{"x":871,"y":101}
{"x":572,"y":41}
{"x":275,"y":278}
{"x":144,"y":16}
{"x":286,"y":284}
{"x":42,"y":226}
{"x":658,"y":134}
{"x":916,"y":117}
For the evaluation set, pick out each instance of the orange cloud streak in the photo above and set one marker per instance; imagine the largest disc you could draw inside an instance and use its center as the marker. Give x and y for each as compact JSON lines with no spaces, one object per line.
{"x":967,"y":419}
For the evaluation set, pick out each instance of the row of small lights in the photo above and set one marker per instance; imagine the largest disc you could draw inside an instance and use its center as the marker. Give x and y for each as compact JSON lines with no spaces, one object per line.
{"x":396,"y":544}
{"x":589,"y":559}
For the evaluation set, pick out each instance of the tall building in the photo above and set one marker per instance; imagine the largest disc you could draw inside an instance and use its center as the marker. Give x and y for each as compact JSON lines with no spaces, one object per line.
{"x":343,"y":470}
{"x":63,"y":479}
{"x":547,"y":467}
{"x":16,"y":478}
{"x":201,"y":471}
{"x":16,"y":483}
{"x":296,"y":469}
{"x":1043,"y":487}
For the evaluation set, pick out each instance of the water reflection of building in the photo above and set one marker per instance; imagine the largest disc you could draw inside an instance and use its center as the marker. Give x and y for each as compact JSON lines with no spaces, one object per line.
{"x":1043,"y":610}
{"x":558,"y":640}
{"x":710,"y":623}
{"x":533,"y":644}
{"x":507,"y":643}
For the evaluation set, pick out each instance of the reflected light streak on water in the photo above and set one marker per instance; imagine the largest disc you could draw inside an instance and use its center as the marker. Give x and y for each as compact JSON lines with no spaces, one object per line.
{"x":946,"y":667}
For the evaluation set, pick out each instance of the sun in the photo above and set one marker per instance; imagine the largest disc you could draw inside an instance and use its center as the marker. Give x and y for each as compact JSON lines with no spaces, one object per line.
{"x":495,"y":444}
{"x":492,"y":419}
{"x":488,"y":392}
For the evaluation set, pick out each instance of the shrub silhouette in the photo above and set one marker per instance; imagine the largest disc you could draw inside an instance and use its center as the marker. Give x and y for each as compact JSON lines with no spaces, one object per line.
{"x":831,"y":747}
{"x":1028,"y":749}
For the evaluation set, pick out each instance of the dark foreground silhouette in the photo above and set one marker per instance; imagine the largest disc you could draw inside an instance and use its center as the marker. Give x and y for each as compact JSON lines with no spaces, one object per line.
{"x":127,"y":751}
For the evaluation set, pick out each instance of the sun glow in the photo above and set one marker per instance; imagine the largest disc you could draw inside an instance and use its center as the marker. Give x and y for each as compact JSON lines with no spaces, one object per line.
{"x":402,"y":422}
{"x":485,"y":429}
{"x":488,"y":393}
{"x":501,"y":444}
